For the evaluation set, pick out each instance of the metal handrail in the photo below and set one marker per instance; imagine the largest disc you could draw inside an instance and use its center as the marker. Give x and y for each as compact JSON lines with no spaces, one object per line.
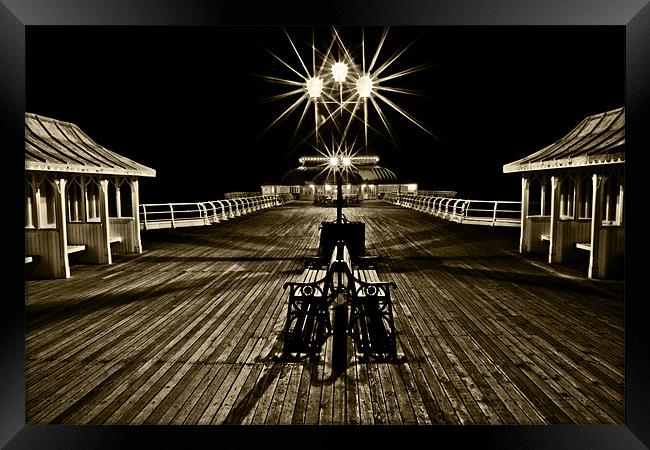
{"x":479,"y":212}
{"x":172,"y":215}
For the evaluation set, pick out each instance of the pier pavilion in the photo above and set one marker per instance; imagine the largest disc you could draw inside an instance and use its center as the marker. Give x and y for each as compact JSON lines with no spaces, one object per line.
{"x":365,"y":179}
{"x":81,"y":199}
{"x":572,"y":195}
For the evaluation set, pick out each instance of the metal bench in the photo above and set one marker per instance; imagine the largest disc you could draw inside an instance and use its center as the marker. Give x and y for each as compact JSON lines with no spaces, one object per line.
{"x":308,"y":324}
{"x":372,"y":325}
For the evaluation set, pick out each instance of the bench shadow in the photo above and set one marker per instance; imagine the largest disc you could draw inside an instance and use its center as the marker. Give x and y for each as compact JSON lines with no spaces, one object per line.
{"x":342,"y":361}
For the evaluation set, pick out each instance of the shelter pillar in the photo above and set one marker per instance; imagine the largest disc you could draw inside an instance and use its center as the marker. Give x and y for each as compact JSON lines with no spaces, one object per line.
{"x":525,"y":197}
{"x":135,"y":208}
{"x":555,"y":247}
{"x":62,"y":266}
{"x":596,"y":223}
{"x":105,"y":253}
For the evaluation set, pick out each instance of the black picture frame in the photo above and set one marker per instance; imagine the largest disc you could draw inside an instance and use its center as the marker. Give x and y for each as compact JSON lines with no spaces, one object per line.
{"x":634,"y":15}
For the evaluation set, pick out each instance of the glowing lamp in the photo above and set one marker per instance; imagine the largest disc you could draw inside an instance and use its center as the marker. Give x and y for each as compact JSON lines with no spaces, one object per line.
{"x":364,"y":86}
{"x":334,"y":161}
{"x":339,"y":71}
{"x":346,"y":162}
{"x":314,"y":87}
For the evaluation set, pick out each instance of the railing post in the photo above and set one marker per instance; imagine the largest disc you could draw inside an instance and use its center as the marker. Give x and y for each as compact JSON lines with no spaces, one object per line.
{"x":215,"y":218}
{"x":204,"y":213}
{"x":494,"y":213}
{"x":171,"y":209}
{"x":144,"y":214}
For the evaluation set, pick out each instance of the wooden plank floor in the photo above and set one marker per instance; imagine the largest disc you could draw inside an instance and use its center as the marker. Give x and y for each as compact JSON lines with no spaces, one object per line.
{"x":185,"y":332}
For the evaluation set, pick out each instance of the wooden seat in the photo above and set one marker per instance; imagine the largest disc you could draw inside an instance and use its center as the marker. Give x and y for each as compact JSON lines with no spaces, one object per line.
{"x":114,"y":239}
{"x":545,"y":237}
{"x":75,"y":248}
{"x":584,"y":246}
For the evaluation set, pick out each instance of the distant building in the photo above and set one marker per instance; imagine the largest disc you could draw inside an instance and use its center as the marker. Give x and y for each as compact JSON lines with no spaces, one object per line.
{"x":572,"y":195}
{"x":364,"y":179}
{"x":81,"y":199}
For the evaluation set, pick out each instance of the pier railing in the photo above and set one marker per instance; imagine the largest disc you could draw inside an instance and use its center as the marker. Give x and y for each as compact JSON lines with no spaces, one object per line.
{"x":501,"y":213}
{"x":437,"y":193}
{"x":154,"y":216}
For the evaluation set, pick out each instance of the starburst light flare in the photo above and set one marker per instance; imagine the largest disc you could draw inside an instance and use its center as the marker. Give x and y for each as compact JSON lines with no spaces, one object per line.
{"x":347,"y":91}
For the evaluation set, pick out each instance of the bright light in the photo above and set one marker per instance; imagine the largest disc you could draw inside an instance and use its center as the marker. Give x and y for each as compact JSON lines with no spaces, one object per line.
{"x":363,"y":186}
{"x":411,"y":187}
{"x":364,"y":86}
{"x":311,"y":186}
{"x":334,"y":161}
{"x":346,"y":162}
{"x":314,"y":87}
{"x":328,"y":187}
{"x":339,"y":71}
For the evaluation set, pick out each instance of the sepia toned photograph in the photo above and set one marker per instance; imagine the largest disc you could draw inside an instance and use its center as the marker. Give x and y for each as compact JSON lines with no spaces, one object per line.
{"x":325,"y":225}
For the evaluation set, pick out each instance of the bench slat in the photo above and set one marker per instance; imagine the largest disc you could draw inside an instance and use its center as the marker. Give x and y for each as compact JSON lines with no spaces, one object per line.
{"x":75,"y":248}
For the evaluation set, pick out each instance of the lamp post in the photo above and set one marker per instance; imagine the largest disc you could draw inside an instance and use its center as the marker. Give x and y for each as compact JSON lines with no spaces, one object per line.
{"x":335,"y":164}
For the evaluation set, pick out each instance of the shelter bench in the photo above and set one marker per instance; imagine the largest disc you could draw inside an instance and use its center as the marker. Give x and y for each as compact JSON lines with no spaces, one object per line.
{"x":584,"y":246}
{"x":75,"y":248}
{"x":545,"y":237}
{"x":115,"y":239}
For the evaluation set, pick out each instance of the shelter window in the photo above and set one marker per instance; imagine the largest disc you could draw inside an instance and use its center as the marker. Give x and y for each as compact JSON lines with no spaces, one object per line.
{"x":30,"y":209}
{"x":567,"y":198}
{"x":612,"y":211}
{"x":535,"y":197}
{"x":92,"y":201}
{"x":75,"y":200}
{"x":586,"y":194}
{"x":125,"y":200}
{"x":47,"y":200}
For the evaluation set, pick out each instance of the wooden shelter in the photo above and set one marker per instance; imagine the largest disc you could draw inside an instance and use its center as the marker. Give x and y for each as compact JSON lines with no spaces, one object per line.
{"x":579,"y":181}
{"x":365,"y":178}
{"x":81,"y":199}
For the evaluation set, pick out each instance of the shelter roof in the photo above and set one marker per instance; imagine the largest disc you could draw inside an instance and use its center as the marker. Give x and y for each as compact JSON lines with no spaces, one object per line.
{"x":596,"y":140}
{"x":57,"y":146}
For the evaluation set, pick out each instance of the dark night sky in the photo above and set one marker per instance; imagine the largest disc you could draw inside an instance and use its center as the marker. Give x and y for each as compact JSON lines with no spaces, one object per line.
{"x":186,"y":101}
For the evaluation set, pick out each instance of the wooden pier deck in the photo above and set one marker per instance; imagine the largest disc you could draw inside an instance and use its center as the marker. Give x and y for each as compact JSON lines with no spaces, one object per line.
{"x":184,"y":333}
